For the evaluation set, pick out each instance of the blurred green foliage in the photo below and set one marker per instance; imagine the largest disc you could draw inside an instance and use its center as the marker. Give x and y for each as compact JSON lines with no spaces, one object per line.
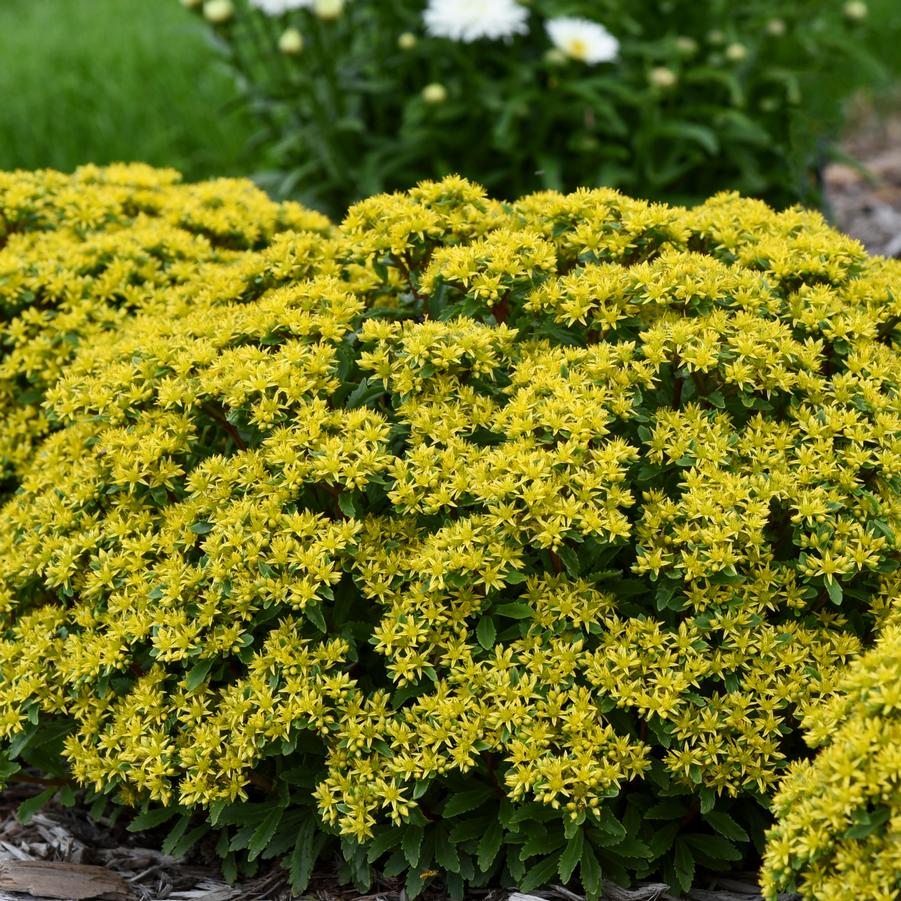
{"x":115,"y":80}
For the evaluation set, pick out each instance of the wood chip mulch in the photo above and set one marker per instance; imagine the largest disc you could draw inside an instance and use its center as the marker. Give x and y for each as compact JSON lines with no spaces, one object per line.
{"x":864,"y":200}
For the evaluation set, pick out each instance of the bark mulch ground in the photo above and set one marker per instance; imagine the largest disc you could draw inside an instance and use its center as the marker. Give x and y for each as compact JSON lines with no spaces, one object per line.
{"x":864,"y":200}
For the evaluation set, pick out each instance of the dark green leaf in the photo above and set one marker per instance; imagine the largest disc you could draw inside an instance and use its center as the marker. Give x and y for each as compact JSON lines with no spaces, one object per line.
{"x":414,"y":884}
{"x":198,"y":673}
{"x":411,"y":844}
{"x":347,"y":505}
{"x":446,"y":855}
{"x":514,"y":610}
{"x":489,"y":845}
{"x":486,"y":632}
{"x":303,"y":857}
{"x":150,"y":819}
{"x":264,"y":832}
{"x":27,"y":809}
{"x":384,"y":839}
{"x":540,"y":874}
{"x":725,"y":825}
{"x":590,"y":871}
{"x":313,"y":612}
{"x":714,"y":846}
{"x":571,"y":856}
{"x":542,"y":842}
{"x":175,"y":834}
{"x":463,"y":802}
{"x":684,"y":863}
{"x":187,"y":841}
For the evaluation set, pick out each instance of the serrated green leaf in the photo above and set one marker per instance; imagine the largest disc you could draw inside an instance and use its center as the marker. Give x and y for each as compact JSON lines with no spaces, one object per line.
{"x":514,"y":610}
{"x":570,"y":560}
{"x":662,"y":840}
{"x":714,"y":846}
{"x":313,"y":612}
{"x":469,"y":829}
{"x":726,"y":825}
{"x":303,"y":857}
{"x":570,"y":857}
{"x":383,"y":840}
{"x":540,"y":874}
{"x":465,"y":801}
{"x":489,"y":845}
{"x":590,"y":872}
{"x":668,"y":809}
{"x":868,"y":824}
{"x":346,"y":504}
{"x":264,"y":832}
{"x":633,"y":847}
{"x":28,"y":808}
{"x":486,"y":632}
{"x":198,"y":674}
{"x":414,"y":883}
{"x":684,"y":863}
{"x":542,"y":842}
{"x":364,"y":394}
{"x":175,"y":834}
{"x":446,"y":855}
{"x":411,"y":844}
{"x":150,"y":819}
{"x":188,"y":840}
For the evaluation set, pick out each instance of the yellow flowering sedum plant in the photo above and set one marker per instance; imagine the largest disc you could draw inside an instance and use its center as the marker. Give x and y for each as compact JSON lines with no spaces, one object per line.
{"x":482,"y":541}
{"x":80,"y":253}
{"x":839,"y":827}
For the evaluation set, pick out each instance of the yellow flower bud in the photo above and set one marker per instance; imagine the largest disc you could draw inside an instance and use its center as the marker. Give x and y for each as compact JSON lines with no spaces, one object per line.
{"x":716,"y":36}
{"x":661,"y":77}
{"x":776,"y":27}
{"x":291,"y":42}
{"x":555,"y":57}
{"x":735,"y":53}
{"x":434,"y":93}
{"x":328,"y":9}
{"x":856,"y":10}
{"x":407,"y":41}
{"x":218,"y":11}
{"x":686,"y":45}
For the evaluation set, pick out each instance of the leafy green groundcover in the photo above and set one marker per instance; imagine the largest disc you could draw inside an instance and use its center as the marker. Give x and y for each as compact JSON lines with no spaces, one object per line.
{"x":480,"y":542}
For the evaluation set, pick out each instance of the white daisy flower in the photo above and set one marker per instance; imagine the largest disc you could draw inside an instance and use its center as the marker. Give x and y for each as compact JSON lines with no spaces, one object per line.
{"x":583,"y":39}
{"x":469,"y":20}
{"x":279,"y":7}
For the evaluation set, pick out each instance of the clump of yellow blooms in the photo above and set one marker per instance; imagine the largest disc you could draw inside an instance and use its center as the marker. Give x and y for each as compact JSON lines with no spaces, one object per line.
{"x":80,"y":253}
{"x":838,"y":833}
{"x":516,"y":528}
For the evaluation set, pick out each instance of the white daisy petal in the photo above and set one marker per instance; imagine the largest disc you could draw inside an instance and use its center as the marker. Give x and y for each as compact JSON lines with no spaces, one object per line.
{"x":583,"y":39}
{"x":278,"y":7}
{"x":469,"y":20}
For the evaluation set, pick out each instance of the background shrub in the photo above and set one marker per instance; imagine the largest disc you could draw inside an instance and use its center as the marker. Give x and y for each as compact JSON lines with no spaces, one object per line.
{"x":839,"y":815}
{"x":698,"y":98}
{"x":500,"y":542}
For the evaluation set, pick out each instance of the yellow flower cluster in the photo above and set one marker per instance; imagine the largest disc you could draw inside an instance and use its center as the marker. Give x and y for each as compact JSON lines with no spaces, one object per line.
{"x":80,"y":253}
{"x":560,"y":495}
{"x":838,"y":833}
